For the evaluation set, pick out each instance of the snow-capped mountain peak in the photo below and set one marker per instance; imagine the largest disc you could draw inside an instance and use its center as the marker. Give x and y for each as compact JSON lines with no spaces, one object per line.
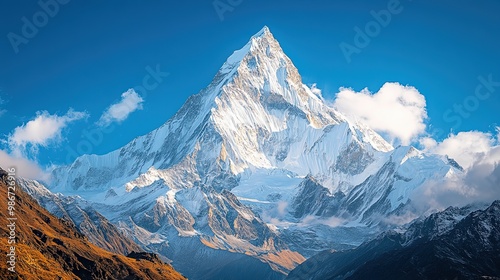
{"x":253,"y":153}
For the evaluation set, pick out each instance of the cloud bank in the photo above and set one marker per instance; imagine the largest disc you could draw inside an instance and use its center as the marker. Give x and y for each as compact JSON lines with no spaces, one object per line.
{"x":479,"y":154}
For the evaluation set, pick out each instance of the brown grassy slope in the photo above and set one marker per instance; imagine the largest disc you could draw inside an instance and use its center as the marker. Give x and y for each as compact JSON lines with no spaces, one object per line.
{"x":51,"y":248}
{"x":96,"y":228}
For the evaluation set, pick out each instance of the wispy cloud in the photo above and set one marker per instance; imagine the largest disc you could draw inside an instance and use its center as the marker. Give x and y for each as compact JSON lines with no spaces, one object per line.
{"x":316,"y":90}
{"x":40,"y":131}
{"x":2,"y":111}
{"x":396,"y":111}
{"x":24,"y":168}
{"x":311,"y":220}
{"x":118,"y":112}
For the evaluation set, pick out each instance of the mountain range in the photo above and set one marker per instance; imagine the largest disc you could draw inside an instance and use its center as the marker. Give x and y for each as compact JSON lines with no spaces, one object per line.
{"x":457,"y":243}
{"x":255,"y":173}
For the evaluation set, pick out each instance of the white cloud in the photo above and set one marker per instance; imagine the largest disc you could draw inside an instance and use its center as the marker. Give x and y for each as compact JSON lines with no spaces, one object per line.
{"x":41,"y":131}
{"x":395,"y":111}
{"x":480,"y":184}
{"x":315,"y":90}
{"x":24,"y":168}
{"x":428,"y":143}
{"x":398,"y":220}
{"x":281,"y":208}
{"x":311,"y":220}
{"x":274,"y":214}
{"x":466,"y":148}
{"x":479,"y":154}
{"x":118,"y":112}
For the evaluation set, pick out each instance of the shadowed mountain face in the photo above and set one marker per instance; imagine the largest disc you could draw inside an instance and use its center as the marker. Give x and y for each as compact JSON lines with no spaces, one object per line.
{"x":446,"y":245}
{"x":50,"y":248}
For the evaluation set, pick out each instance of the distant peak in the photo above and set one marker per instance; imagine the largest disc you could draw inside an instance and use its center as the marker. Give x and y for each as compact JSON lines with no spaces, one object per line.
{"x":263,"y":32}
{"x":262,"y":38}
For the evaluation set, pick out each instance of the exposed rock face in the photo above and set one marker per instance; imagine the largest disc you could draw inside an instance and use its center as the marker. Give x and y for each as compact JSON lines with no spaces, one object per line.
{"x":51,"y":248}
{"x":314,"y":199}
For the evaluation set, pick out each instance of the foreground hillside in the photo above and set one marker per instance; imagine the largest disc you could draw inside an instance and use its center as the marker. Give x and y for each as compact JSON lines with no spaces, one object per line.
{"x":50,"y":248}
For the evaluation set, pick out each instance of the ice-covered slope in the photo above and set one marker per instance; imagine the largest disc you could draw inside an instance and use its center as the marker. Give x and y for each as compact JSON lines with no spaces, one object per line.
{"x":234,"y":167}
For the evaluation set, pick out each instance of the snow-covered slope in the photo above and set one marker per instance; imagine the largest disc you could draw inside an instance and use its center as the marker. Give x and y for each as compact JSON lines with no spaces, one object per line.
{"x":248,"y":161}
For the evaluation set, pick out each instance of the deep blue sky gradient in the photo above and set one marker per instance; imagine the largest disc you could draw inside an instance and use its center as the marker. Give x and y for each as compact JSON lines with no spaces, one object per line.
{"x":92,"y":51}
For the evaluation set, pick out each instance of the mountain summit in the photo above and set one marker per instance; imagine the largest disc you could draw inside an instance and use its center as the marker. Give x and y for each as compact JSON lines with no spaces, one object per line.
{"x":258,"y":90}
{"x":254,"y":167}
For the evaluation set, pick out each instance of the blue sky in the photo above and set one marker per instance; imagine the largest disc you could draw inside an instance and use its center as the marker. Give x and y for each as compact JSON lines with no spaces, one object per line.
{"x":88,"y":53}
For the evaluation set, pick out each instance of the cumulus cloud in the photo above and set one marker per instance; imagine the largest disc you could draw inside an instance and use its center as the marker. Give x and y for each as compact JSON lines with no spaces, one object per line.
{"x":24,"y":167}
{"x":395,"y":111}
{"x":118,"y":112}
{"x":466,"y":148}
{"x":42,"y":130}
